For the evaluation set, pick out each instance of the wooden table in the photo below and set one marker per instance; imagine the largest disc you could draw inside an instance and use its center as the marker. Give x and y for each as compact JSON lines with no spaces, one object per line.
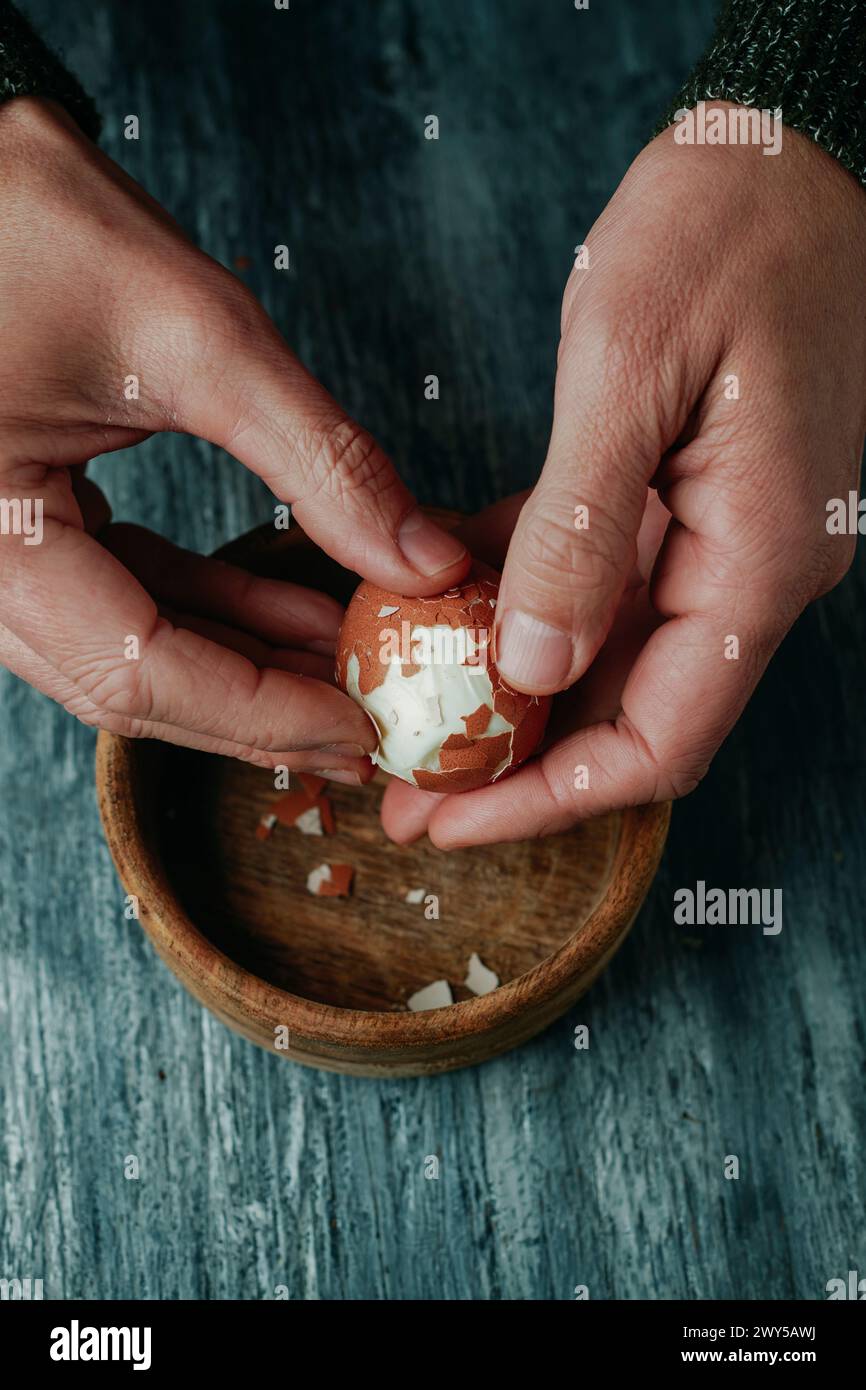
{"x":557,"y":1167}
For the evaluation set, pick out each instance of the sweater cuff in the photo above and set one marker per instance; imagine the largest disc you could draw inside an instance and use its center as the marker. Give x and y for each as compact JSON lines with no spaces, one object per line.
{"x":807,"y":57}
{"x":28,"y":68}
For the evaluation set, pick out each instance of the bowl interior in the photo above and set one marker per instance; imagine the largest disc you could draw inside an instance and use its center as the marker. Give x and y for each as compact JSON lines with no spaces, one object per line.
{"x":513,"y":905}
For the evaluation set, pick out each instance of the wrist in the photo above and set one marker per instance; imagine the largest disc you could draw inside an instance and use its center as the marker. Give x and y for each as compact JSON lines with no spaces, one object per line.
{"x":807,"y":60}
{"x":29,"y":69}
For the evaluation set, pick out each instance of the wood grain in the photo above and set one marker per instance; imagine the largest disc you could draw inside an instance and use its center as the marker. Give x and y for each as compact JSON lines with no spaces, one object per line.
{"x":557,"y":1167}
{"x":232,"y":916}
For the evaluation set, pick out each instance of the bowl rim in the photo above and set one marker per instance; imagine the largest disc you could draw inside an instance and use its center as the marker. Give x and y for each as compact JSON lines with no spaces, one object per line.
{"x":642,"y":835}
{"x":641,"y":840}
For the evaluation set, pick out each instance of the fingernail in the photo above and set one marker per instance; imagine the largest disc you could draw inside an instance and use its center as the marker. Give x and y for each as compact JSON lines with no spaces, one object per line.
{"x":334,"y":774}
{"x":530,"y":653}
{"x":344,"y":750}
{"x":428,"y":549}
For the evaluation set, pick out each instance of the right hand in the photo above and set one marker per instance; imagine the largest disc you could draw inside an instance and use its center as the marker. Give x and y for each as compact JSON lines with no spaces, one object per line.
{"x":97,"y":285}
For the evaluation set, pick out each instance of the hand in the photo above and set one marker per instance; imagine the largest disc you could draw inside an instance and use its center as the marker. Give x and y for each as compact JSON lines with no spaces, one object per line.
{"x":715,"y":350}
{"x":97,"y":286}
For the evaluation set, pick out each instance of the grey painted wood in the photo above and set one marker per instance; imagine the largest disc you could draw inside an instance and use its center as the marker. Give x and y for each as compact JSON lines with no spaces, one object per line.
{"x":557,"y":1167}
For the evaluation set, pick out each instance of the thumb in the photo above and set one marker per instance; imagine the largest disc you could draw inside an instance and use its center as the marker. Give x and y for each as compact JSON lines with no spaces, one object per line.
{"x":574,"y":544}
{"x":250,"y":395}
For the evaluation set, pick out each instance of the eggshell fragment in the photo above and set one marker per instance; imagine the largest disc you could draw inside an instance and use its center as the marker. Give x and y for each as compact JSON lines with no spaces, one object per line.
{"x":309,"y":822}
{"x":435,"y":996}
{"x":265,"y":827}
{"x":477,"y":722}
{"x":312,"y":783}
{"x":338,"y":885}
{"x":479,"y":979}
{"x":306,"y":810}
{"x":424,"y":670}
{"x":326,"y":811}
{"x":290,"y":807}
{"x":316,"y":877}
{"x":330,"y":880}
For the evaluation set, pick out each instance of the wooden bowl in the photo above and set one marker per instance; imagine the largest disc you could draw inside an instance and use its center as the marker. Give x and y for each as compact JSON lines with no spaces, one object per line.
{"x":232,"y":917}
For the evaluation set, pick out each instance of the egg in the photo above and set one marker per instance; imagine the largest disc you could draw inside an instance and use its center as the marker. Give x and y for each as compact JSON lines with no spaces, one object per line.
{"x":424,"y":671}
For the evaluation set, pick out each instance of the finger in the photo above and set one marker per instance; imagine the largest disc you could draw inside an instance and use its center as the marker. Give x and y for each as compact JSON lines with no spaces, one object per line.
{"x":620,"y":402}
{"x":681,"y":699}
{"x":357,"y":770}
{"x":320,"y":668}
{"x":406,"y":811}
{"x":278,"y":612}
{"x":94,"y":505}
{"x":19,"y":658}
{"x":736,"y":567}
{"x":488,"y":534}
{"x":77,"y":608}
{"x":598,"y":694}
{"x":246,"y":392}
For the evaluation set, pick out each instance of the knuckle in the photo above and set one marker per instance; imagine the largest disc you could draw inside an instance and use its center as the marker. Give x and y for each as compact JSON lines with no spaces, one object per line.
{"x":120,"y":688}
{"x":626,"y":335}
{"x":343,"y":458}
{"x":673,"y":783}
{"x":554,"y":555}
{"x":229,"y":318}
{"x":623,"y":355}
{"x":241,"y":318}
{"x":208,"y":326}
{"x":561,"y":796}
{"x":117,"y":688}
{"x":666,"y":778}
{"x":119,"y":724}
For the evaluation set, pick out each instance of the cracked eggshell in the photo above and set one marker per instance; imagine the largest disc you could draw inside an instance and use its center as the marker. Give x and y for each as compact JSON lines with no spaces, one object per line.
{"x":423,"y":669}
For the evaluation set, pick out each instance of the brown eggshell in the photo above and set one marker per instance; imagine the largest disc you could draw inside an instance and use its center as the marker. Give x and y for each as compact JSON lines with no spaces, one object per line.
{"x":340,"y":882}
{"x":469,"y":759}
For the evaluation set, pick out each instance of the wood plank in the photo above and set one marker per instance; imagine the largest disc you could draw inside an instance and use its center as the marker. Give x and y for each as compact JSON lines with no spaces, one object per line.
{"x":557,"y":1167}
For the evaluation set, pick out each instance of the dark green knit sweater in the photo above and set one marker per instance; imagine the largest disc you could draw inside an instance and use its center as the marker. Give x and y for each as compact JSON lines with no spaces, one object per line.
{"x":28,"y":68}
{"x":807,"y":57}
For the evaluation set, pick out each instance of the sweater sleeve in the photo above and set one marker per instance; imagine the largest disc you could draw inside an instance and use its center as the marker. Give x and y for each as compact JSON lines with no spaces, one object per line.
{"x":28,"y":68}
{"x":806,"y":56}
